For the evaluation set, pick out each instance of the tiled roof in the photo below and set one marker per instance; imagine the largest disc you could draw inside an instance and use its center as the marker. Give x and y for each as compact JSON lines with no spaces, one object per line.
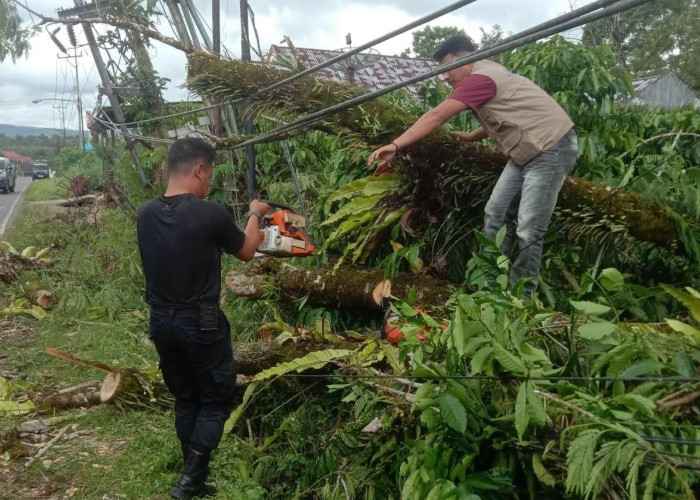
{"x":367,"y":70}
{"x":12,"y":156}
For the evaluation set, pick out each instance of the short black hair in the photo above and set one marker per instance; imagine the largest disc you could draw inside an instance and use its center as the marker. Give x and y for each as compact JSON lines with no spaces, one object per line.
{"x":454,"y":45}
{"x":184,"y":154}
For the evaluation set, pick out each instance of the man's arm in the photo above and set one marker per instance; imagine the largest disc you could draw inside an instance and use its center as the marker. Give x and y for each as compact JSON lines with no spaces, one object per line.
{"x":430,"y":121}
{"x":473,"y":136}
{"x":252,"y":231}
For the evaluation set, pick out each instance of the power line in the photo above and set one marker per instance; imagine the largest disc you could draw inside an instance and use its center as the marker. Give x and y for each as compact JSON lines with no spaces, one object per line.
{"x":508,"y":377}
{"x":334,"y":60}
{"x":573,"y":20}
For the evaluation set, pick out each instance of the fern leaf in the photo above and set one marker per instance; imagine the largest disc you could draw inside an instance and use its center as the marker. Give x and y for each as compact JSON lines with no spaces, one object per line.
{"x":579,"y":460}
{"x":356,"y":207}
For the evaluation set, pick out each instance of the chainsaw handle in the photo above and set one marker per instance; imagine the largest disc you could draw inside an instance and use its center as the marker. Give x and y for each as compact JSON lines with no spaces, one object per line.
{"x":275,"y":204}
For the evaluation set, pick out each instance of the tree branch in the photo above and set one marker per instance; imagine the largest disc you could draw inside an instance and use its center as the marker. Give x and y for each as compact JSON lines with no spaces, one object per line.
{"x":677,"y":135}
{"x":187,"y":48}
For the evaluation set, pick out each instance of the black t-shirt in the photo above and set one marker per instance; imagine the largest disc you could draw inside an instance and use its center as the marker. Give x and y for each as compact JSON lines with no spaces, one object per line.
{"x":180,"y":239}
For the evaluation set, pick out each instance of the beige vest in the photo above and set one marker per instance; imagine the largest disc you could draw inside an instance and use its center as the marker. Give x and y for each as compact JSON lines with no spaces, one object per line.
{"x":522,"y":119}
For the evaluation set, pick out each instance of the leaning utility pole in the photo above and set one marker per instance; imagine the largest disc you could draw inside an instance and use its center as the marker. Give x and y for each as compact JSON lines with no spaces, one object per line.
{"x":85,"y":10}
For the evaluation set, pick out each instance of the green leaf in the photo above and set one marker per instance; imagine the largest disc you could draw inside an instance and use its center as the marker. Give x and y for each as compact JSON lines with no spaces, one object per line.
{"x":521,"y":415}
{"x":315,"y":360}
{"x":453,"y":412}
{"x":535,"y":406}
{"x":678,"y":326}
{"x":638,"y":403}
{"x":544,"y":476}
{"x":590,"y":308}
{"x":508,"y":360}
{"x":355,"y":207}
{"x":689,"y":301}
{"x":579,"y":460}
{"x":684,"y":365}
{"x":477,"y":362}
{"x":643,"y":368}
{"x":611,"y":279}
{"x":596,"y":330}
{"x":12,"y":408}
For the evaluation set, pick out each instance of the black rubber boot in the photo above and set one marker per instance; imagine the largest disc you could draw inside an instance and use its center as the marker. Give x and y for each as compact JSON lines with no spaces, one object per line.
{"x":192,"y":481}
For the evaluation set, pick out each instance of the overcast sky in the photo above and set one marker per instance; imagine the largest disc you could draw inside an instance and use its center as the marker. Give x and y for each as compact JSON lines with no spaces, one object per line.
{"x":309,"y":23}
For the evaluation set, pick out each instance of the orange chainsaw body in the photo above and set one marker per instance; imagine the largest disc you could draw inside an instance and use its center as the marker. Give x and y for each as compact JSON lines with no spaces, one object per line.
{"x":284,"y":234}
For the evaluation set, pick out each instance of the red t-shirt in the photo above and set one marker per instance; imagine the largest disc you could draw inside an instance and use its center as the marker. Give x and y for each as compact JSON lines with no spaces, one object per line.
{"x":474,"y":91}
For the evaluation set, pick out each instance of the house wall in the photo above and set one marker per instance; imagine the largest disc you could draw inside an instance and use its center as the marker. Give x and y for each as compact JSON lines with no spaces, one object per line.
{"x":669,"y":92}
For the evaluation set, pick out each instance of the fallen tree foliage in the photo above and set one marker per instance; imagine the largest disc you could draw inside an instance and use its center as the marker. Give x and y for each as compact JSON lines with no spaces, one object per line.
{"x":444,"y":173}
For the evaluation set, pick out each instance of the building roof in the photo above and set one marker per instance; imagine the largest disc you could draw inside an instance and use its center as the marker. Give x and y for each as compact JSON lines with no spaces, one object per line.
{"x":12,"y":156}
{"x":642,"y":83}
{"x":371,"y":71}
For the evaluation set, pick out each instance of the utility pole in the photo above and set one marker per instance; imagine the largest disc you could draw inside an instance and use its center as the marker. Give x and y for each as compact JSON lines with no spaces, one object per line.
{"x":83,"y":10}
{"x":78,"y":101}
{"x":248,"y":125}
{"x":61,"y":110}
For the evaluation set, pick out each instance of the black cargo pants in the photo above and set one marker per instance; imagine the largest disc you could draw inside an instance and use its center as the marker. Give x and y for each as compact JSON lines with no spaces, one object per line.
{"x":199,"y":370}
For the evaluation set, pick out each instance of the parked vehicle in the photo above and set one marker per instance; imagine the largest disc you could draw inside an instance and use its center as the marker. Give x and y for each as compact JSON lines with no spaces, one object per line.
{"x":40,"y":171}
{"x":8,"y":177}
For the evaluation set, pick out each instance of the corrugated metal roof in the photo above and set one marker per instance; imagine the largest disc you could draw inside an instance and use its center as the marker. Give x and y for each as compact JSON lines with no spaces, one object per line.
{"x":642,"y":83}
{"x":367,"y":70}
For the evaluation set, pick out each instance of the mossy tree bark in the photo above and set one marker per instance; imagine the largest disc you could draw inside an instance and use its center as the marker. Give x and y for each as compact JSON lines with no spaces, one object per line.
{"x":348,"y":287}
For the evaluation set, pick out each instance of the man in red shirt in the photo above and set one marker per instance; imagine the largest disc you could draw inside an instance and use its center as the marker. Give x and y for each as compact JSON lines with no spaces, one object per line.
{"x":525,"y":124}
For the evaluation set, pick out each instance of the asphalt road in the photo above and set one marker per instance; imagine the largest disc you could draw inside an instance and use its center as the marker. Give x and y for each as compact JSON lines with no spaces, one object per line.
{"x":11,"y":202}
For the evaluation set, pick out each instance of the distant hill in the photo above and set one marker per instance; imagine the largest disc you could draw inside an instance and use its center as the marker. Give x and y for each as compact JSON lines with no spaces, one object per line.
{"x":15,"y":130}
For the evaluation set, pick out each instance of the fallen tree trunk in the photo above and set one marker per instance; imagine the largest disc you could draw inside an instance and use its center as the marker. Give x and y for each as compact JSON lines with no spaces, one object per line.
{"x":349,"y":287}
{"x":444,"y":173}
{"x":80,"y":396}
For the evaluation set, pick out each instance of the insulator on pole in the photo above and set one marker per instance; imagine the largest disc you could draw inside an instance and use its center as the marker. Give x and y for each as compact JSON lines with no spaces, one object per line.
{"x":71,"y":35}
{"x":57,"y":42}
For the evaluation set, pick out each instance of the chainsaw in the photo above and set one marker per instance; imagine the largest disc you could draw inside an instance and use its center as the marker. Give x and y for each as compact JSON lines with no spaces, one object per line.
{"x":283,"y":233}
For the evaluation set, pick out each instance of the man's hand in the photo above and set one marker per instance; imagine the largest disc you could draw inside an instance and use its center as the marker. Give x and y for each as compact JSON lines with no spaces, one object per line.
{"x":385,"y":153}
{"x":252,"y":231}
{"x":259,"y":206}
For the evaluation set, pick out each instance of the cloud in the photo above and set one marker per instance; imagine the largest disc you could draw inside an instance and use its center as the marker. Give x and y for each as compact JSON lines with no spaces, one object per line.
{"x":309,"y":23}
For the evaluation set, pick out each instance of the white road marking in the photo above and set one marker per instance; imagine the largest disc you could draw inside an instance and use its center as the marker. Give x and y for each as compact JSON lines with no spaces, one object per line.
{"x":12,"y":209}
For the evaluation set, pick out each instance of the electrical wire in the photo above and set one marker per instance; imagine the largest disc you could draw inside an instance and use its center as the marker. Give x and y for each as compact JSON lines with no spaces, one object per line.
{"x":553,"y":27}
{"x":338,"y":58}
{"x":536,"y":378}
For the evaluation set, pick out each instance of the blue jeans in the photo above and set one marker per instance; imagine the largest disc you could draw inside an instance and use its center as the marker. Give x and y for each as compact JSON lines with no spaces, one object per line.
{"x":523,"y":200}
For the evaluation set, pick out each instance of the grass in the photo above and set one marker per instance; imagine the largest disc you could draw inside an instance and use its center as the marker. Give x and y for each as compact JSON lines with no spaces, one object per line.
{"x":100,"y":316}
{"x":46,"y":189}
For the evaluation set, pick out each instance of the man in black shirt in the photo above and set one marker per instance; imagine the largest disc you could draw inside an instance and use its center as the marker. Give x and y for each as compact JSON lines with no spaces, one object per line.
{"x":181,"y":238}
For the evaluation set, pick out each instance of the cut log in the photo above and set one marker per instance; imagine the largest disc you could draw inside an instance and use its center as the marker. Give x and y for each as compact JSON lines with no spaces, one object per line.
{"x":125,"y":388}
{"x":348,"y":287}
{"x":253,"y":357}
{"x":78,"y":201}
{"x":83,"y":396}
{"x":135,"y":390}
{"x":38,"y":296}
